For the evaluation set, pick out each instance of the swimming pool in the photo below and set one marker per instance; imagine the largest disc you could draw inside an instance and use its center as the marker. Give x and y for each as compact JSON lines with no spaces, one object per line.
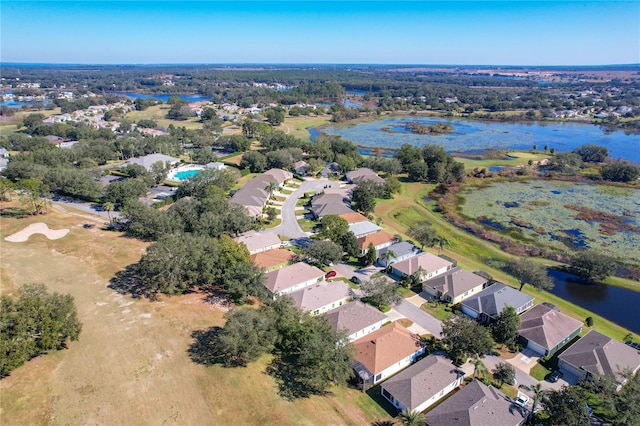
{"x":185,"y":174}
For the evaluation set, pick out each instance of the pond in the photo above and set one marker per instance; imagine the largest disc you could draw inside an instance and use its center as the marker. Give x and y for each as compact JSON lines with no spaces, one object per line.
{"x":564,"y":216}
{"x":477,"y":136}
{"x":163,"y":97}
{"x":616,"y":304}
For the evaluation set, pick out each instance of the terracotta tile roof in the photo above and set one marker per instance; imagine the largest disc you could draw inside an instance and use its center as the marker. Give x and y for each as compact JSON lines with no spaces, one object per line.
{"x":270,"y":258}
{"x":385,"y":347}
{"x":546,"y":326}
{"x":376,"y":239}
{"x":353,"y":217}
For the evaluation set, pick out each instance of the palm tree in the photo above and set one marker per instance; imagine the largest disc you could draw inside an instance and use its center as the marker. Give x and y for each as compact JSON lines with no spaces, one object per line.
{"x":537,"y":396}
{"x":412,"y":418}
{"x":442,"y":242}
{"x":478,"y":367}
{"x":387,"y":256}
{"x":108,"y":207}
{"x":271,"y":188}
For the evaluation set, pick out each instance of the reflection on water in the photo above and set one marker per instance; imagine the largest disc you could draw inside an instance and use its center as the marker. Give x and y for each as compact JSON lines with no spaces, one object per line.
{"x":616,"y":304}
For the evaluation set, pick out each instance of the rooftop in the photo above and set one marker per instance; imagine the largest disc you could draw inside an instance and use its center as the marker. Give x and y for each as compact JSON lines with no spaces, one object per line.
{"x":354,"y":316}
{"x":274,"y":257}
{"x":493,"y":299}
{"x":427,"y":261}
{"x":546,"y":326}
{"x":455,"y":282}
{"x":376,"y":239}
{"x":290,"y":276}
{"x":256,"y":241}
{"x":322,"y":294}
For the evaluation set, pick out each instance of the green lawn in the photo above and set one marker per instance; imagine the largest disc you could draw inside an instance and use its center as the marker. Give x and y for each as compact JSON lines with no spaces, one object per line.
{"x":539,"y":372}
{"x":306,"y":224}
{"x":438,"y":311}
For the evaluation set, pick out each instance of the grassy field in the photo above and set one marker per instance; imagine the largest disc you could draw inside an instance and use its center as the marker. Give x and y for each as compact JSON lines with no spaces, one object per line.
{"x":10,"y":124}
{"x":518,"y":158}
{"x":158,"y":113}
{"x":298,"y":126}
{"x":131,"y":364}
{"x":410,"y":207}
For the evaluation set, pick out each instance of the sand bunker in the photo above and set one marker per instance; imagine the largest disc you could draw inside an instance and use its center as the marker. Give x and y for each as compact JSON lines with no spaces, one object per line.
{"x":36,"y":228}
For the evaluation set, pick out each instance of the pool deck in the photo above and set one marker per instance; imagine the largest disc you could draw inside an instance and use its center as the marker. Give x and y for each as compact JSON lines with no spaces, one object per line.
{"x":189,"y":167}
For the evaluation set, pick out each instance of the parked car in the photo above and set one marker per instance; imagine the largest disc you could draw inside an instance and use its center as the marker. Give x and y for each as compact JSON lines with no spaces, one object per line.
{"x":355,"y":280}
{"x":521,"y":400}
{"x":330,"y":274}
{"x":554,"y":376}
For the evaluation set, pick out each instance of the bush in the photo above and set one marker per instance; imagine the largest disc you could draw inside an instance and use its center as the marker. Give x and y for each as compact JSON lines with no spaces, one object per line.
{"x":589,"y":321}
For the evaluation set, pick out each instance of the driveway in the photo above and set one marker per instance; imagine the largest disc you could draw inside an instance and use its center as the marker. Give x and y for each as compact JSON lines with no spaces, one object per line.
{"x":289,"y":226}
{"x":419,"y":317}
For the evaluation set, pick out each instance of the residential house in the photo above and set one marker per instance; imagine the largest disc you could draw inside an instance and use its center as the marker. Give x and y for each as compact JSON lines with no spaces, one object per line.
{"x":330,"y":170}
{"x":55,"y":140}
{"x":399,"y":251}
{"x":273,"y":259}
{"x":477,"y":405}
{"x":489,"y":303}
{"x":215,"y":166}
{"x":291,"y":278}
{"x":353,"y":217}
{"x":356,"y":318}
{"x":152,"y":132}
{"x":3,"y":163}
{"x":546,"y":329}
{"x":384,"y":352}
{"x":362,"y":229}
{"x":455,"y":285}
{"x":322,"y":297}
{"x":4,"y":153}
{"x":149,"y":160}
{"x":379,"y":240}
{"x":426,"y":264}
{"x":597,"y":354}
{"x":363,"y":174}
{"x":423,"y":384}
{"x":281,"y":176}
{"x":325,"y":204}
{"x":255,"y":193}
{"x":257,"y":242}
{"x":301,"y":167}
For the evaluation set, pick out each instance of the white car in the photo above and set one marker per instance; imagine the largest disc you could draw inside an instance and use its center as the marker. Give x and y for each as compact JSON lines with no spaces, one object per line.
{"x":521,"y":400}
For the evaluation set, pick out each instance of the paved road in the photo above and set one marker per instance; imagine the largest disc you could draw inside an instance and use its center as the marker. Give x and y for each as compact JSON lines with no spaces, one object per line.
{"x":289,"y":226}
{"x":420,"y":317}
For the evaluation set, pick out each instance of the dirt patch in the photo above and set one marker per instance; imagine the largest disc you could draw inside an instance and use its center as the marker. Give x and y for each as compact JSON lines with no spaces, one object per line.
{"x":37,"y":228}
{"x":405,"y":322}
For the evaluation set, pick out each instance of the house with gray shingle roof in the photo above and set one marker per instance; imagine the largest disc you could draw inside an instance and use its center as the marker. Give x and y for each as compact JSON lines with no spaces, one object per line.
{"x":477,"y":405}
{"x":546,"y":330}
{"x":363,"y":174}
{"x":455,"y":285}
{"x":322,"y":297}
{"x":362,"y":229}
{"x":291,"y":278}
{"x":423,"y":384}
{"x":597,"y":354}
{"x":257,"y":242}
{"x":490,"y":302}
{"x":401,"y":251}
{"x":427,"y":264}
{"x":356,"y":318}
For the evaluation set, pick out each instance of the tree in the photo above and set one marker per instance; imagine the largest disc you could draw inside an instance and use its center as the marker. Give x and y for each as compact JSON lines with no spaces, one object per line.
{"x":201,"y":184}
{"x":478,"y":367}
{"x":592,"y":265}
{"x":271,"y":213}
{"x":120,"y":191}
{"x":505,"y":328}
{"x":350,"y":244}
{"x":247,"y":334}
{"x":363,"y":199}
{"x":537,"y":396}
{"x":6,"y":189}
{"x":33,"y":193}
{"x":418,"y":171}
{"x":423,"y":233}
{"x":108,"y":207}
{"x":411,"y":418}
{"x":620,"y":171}
{"x":323,"y":252}
{"x":407,"y":154}
{"x":566,"y":162}
{"x":442,"y":242}
{"x":591,"y":153}
{"x":567,"y":406}
{"x":387,"y":256}
{"x":34,"y":323}
{"x":275,"y":116}
{"x":380,"y":291}
{"x":528,"y":272}
{"x":504,"y":373}
{"x":465,"y":337}
{"x":371,"y":255}
{"x":333,"y":227}
{"x":255,"y":161}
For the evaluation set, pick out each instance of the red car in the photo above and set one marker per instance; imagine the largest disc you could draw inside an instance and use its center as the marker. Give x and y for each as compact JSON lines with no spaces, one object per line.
{"x":330,"y":274}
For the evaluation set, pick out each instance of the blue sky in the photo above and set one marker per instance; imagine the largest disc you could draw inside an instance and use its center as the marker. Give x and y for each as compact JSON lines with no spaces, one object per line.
{"x":380,"y":32}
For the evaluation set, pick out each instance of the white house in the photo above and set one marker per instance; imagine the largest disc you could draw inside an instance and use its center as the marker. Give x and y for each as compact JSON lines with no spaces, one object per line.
{"x":427,"y":264}
{"x":357,"y":319}
{"x":455,"y":285}
{"x":258,"y":242}
{"x":322,"y":297}
{"x":384,"y":352}
{"x":423,"y":384}
{"x":291,"y":278}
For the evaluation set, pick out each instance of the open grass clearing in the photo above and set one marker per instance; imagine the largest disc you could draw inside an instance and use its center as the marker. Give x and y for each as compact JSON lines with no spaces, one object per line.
{"x":307,"y":225}
{"x":158,"y":113}
{"x":437,"y":310}
{"x":298,"y":125}
{"x":130,"y":365}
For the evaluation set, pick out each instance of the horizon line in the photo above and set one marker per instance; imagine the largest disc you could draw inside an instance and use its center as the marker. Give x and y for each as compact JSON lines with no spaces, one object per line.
{"x":272,"y":64}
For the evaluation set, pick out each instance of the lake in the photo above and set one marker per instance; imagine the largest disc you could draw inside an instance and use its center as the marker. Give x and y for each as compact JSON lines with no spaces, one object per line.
{"x":163,"y":97}
{"x":478,"y":136}
{"x":616,"y":304}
